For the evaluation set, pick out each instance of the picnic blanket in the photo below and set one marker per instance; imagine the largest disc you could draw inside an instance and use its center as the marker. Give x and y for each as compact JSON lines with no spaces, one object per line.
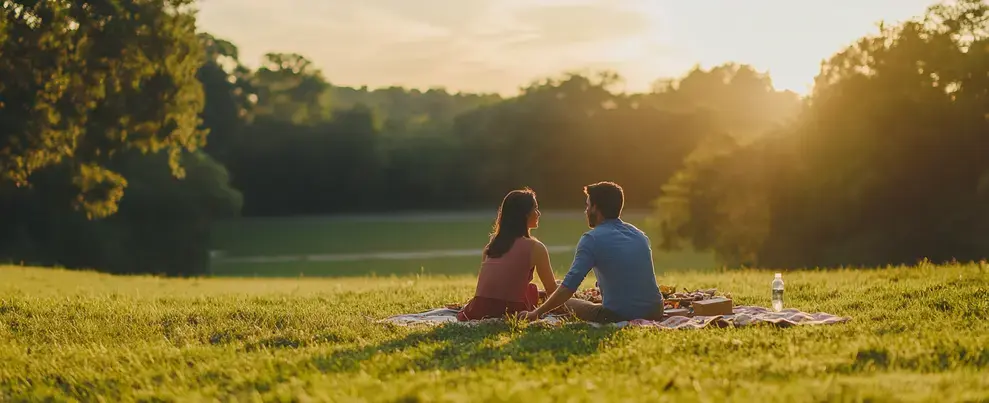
{"x":742,"y":316}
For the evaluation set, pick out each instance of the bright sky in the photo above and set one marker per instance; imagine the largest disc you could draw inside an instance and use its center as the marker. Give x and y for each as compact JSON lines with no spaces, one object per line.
{"x":500,"y":45}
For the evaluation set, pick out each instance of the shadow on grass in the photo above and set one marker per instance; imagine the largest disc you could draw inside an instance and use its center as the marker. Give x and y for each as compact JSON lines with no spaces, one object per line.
{"x":457,"y":347}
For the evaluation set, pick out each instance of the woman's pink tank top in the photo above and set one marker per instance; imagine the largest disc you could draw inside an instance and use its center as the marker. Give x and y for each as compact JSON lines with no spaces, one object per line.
{"x":507,"y":277}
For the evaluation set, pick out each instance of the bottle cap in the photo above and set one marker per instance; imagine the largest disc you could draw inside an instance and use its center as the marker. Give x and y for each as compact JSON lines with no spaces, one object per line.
{"x":779,"y":275}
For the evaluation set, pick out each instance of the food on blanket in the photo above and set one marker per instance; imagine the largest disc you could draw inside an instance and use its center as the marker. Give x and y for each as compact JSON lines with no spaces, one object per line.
{"x":589,"y":294}
{"x":671,"y":298}
{"x":713,"y":307}
{"x":684,"y":299}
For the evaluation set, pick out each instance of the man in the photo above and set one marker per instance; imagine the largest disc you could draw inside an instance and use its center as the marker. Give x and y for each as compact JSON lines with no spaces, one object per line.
{"x":621,"y":257}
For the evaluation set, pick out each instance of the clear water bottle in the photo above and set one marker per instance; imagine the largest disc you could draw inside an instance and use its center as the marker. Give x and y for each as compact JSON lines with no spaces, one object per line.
{"x":778,"y":292}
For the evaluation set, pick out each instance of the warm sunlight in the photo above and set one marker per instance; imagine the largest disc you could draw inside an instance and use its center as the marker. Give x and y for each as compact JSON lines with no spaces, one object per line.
{"x":494,"y":200}
{"x":495,"y":45}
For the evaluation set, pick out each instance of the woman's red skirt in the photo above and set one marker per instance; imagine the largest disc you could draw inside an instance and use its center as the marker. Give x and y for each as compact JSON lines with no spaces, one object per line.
{"x":484,"y":308}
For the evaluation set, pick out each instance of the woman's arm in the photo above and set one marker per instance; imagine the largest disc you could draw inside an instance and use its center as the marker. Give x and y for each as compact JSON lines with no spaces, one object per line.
{"x":540,"y":258}
{"x":583,"y":261}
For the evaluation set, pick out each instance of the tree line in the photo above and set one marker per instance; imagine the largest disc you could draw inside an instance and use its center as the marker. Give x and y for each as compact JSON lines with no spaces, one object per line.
{"x":887,"y":162}
{"x":296,"y":144}
{"x":126,"y":138}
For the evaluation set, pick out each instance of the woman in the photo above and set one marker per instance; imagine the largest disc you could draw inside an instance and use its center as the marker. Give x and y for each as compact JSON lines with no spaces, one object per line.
{"x":512,"y":255}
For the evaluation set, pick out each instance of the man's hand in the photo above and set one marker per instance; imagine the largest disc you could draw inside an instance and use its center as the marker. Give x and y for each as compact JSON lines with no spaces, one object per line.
{"x":555,"y":300}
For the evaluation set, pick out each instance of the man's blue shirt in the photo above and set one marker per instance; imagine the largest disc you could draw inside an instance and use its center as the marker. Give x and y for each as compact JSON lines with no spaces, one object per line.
{"x":621,"y":257}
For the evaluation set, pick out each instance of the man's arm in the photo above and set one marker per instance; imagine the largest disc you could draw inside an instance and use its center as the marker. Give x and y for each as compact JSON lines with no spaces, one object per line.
{"x":582,"y":263}
{"x":559,"y":297}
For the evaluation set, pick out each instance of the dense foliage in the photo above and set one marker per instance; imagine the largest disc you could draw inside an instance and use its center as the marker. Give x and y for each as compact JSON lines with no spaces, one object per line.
{"x":886,"y":164}
{"x":99,"y":126}
{"x":314,"y":148}
{"x":84,"y":80}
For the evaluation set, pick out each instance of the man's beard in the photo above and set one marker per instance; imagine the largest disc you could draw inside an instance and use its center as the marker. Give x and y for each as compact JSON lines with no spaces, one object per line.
{"x":591,"y":221}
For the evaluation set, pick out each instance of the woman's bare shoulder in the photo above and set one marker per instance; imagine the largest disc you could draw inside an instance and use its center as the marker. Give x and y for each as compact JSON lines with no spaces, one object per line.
{"x":536,"y":244}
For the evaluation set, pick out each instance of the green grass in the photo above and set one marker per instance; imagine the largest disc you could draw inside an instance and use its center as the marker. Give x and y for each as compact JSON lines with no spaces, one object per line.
{"x":411,"y":233}
{"x":917,"y":334}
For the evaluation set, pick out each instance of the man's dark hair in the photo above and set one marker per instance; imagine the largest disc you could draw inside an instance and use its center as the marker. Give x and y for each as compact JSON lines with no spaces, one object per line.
{"x":608,"y":197}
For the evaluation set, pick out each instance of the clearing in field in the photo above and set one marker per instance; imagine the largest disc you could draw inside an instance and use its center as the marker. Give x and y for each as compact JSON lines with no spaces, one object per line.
{"x":396,"y":244}
{"x":917,"y":334}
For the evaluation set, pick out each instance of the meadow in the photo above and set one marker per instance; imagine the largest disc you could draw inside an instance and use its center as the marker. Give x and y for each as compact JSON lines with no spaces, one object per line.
{"x":916,"y":334}
{"x":295,"y":238}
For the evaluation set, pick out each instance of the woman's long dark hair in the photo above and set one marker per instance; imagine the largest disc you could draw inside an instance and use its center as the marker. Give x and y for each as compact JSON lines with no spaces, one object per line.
{"x":512,"y":222}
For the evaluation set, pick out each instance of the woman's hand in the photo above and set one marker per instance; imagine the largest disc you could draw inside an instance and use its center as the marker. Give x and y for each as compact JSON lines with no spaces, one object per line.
{"x":529,"y":316}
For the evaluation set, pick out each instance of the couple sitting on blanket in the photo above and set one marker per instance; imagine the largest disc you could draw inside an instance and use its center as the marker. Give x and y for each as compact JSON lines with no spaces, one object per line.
{"x":618,"y":252}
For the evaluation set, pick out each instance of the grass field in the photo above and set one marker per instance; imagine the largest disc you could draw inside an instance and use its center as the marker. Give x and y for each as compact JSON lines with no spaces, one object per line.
{"x":917,"y":334}
{"x":276,"y":237}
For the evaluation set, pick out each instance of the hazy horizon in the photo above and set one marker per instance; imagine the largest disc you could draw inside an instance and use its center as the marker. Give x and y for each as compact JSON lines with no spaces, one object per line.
{"x":500,"y":45}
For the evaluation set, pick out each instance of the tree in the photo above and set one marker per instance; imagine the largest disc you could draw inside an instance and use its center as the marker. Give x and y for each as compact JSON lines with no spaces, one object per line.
{"x":162,"y":227}
{"x":229,"y":96}
{"x":742,"y":99}
{"x":290,"y":88}
{"x":164,"y":223}
{"x":85,"y":80}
